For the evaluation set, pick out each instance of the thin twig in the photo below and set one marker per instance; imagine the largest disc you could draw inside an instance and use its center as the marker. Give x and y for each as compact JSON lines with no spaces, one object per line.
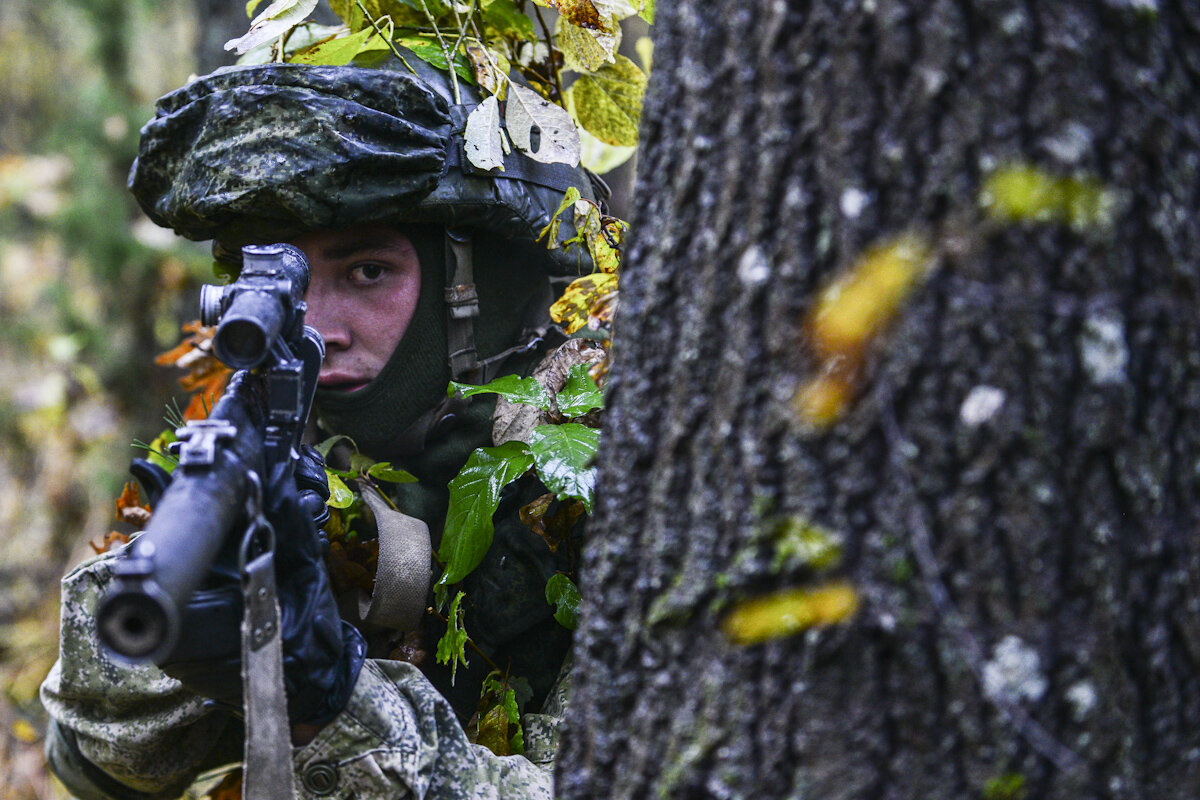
{"x":386,"y":37}
{"x":446,"y":53}
{"x":554,"y":72}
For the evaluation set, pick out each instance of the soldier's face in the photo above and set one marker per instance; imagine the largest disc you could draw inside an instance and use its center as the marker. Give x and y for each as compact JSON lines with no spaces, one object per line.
{"x":364,"y":289}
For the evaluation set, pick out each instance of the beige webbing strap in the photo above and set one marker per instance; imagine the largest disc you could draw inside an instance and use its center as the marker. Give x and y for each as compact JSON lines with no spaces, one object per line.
{"x":462,"y":302}
{"x":402,"y":579}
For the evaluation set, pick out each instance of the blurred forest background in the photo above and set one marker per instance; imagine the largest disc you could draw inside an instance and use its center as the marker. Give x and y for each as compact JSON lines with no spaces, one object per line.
{"x":90,"y":292}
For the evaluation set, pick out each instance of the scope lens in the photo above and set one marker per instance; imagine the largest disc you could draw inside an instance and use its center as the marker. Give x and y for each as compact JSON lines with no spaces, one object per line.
{"x":241,"y":343}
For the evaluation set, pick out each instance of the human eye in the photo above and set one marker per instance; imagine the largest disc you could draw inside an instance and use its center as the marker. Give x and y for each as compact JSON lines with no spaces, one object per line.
{"x":368,"y":272}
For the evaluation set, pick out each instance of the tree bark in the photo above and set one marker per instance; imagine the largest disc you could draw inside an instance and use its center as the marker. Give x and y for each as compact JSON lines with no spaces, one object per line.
{"x":1014,"y":476}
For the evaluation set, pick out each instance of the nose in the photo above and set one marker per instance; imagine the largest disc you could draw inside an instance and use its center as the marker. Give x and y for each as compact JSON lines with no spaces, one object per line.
{"x":323,"y":315}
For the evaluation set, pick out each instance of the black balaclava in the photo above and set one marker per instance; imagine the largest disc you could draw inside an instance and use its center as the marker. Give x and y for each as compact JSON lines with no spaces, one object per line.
{"x":416,"y":377}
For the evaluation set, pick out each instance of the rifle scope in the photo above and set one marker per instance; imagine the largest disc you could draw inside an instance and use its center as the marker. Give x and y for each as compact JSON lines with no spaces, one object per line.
{"x":257,"y":308}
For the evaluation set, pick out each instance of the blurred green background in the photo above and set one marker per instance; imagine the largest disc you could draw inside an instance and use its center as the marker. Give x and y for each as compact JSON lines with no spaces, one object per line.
{"x":90,"y":291}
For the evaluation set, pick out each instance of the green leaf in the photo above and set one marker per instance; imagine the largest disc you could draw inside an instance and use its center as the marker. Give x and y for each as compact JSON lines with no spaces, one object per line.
{"x":563,"y":455}
{"x":430,"y":51}
{"x":360,"y":463}
{"x":586,"y":49}
{"x":384,"y":471}
{"x":512,"y":388}
{"x":474,"y":495}
{"x":569,"y":198}
{"x":608,"y":103}
{"x":562,"y":592}
{"x":580,"y":394}
{"x":334,"y":52}
{"x":646,"y":11}
{"x":506,"y":19}
{"x":452,"y":647}
{"x":325,"y":446}
{"x":340,"y":495}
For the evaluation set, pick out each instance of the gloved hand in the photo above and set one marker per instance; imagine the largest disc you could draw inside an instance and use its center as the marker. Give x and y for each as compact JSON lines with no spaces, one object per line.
{"x":322,"y":655}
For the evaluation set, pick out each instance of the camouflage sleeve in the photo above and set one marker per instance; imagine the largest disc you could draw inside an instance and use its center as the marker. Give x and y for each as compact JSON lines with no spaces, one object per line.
{"x":134,"y":724}
{"x":398,"y":737}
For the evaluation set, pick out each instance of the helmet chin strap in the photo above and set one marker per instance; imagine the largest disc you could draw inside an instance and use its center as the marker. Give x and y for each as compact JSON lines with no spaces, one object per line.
{"x":462,"y":304}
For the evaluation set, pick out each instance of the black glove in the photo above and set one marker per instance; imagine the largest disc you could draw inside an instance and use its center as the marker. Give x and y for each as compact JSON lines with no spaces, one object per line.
{"x":322,"y":655}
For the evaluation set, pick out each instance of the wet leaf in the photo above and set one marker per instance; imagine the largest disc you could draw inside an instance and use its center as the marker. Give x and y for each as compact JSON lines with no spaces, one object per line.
{"x":276,"y":20}
{"x":563,"y":456}
{"x":482,"y":140}
{"x":513,"y":388}
{"x":340,"y":495}
{"x":474,"y":496}
{"x":574,"y":307}
{"x":608,"y":103}
{"x":452,"y":647}
{"x":579,"y":394}
{"x":384,"y":471}
{"x":792,"y":611}
{"x":542,"y":130}
{"x":562,"y":593}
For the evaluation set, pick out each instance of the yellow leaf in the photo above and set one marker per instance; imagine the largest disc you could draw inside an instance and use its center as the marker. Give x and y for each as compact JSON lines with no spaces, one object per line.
{"x":861,"y":302}
{"x":493,"y":731}
{"x":1023,"y":192}
{"x":335,"y":52}
{"x":785,"y":613}
{"x":572,"y":309}
{"x":24,"y":732}
{"x":608,"y":103}
{"x":822,"y":400}
{"x":603,"y":235}
{"x":587,"y":49}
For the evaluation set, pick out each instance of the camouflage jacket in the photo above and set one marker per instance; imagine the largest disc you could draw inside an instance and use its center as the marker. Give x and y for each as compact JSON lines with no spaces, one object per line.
{"x":132,"y":732}
{"x":120,"y":731}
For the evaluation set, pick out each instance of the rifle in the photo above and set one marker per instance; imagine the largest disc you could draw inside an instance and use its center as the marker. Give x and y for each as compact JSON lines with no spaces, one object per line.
{"x":227,"y":464}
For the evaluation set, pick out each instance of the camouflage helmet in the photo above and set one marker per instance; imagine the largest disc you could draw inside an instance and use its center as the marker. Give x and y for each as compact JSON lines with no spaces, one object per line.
{"x":268,"y":152}
{"x":289,"y":148}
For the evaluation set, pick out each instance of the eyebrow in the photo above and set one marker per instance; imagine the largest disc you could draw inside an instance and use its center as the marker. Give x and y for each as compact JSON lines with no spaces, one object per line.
{"x":359,"y":247}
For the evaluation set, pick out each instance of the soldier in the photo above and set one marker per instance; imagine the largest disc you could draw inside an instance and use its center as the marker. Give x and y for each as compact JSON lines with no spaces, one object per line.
{"x":423,"y":270}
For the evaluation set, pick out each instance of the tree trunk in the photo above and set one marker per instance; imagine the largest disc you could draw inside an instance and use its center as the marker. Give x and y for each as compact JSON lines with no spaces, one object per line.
{"x":1010,"y":465}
